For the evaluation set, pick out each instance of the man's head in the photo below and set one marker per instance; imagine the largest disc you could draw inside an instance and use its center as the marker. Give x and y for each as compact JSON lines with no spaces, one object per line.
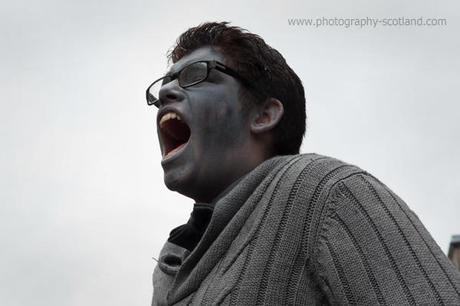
{"x":261,"y":65}
{"x":249,"y":108}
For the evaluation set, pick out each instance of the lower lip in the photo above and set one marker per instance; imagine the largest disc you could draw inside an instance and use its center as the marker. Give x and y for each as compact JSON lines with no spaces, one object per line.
{"x":174,"y":152}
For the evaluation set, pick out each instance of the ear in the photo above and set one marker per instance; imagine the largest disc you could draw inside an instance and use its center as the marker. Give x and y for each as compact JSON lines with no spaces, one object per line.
{"x":267,"y":116}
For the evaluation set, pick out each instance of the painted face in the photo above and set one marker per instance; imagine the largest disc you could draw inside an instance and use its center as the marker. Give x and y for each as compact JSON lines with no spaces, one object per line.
{"x":203,"y":135}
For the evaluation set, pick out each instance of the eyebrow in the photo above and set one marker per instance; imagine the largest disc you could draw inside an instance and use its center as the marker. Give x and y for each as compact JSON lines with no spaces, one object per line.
{"x":170,"y":71}
{"x":173,"y":71}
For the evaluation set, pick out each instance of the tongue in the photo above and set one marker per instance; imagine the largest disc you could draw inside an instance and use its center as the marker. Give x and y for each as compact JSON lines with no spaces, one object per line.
{"x":174,"y":151}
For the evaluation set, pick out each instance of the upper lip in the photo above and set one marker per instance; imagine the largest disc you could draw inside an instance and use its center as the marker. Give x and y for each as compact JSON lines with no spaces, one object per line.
{"x":170,"y":109}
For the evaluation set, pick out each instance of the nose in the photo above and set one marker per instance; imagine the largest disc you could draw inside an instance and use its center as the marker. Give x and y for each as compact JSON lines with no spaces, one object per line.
{"x":170,"y":93}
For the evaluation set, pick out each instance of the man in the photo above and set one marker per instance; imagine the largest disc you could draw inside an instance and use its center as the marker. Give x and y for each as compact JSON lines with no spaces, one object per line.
{"x":270,"y":226}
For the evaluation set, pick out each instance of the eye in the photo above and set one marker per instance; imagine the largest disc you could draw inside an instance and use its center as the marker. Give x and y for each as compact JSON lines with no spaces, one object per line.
{"x":193,"y":73}
{"x":215,"y":76}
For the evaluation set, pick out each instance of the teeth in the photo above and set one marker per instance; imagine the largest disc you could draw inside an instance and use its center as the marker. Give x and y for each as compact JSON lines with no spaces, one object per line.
{"x":169,"y":116}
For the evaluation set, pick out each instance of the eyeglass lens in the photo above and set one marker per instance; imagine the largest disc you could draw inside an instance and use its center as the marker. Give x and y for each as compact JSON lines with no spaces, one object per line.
{"x":188,"y":76}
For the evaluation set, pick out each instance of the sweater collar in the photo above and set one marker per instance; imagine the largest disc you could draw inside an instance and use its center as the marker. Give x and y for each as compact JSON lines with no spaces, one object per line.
{"x":225,"y":207}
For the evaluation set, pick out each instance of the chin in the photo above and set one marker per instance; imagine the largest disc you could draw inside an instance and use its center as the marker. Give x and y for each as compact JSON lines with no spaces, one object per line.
{"x":174,"y":182}
{"x":179,"y":182}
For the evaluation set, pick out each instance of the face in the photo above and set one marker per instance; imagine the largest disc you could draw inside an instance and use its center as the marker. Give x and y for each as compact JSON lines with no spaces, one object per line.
{"x":207,"y":149}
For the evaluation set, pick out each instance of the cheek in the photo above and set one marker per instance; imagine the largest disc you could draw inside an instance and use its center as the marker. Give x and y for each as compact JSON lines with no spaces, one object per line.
{"x":217,"y":112}
{"x":216,"y":116}
{"x":223,"y":125}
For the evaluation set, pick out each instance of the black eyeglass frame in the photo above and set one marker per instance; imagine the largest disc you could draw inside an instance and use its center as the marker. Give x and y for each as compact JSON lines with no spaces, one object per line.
{"x":212,"y":64}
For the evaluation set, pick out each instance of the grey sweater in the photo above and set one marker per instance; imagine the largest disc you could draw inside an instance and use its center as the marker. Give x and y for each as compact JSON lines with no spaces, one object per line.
{"x":308,"y":230}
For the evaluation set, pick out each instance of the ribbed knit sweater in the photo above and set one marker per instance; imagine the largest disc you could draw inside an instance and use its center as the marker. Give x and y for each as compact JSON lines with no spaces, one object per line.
{"x":308,"y":230}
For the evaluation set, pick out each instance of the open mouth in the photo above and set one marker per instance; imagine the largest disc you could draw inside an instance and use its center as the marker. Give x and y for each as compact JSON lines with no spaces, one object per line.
{"x":175,"y":134}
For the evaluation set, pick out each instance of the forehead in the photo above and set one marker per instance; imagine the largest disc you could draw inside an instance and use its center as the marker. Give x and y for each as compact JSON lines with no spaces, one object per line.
{"x":201,"y":54}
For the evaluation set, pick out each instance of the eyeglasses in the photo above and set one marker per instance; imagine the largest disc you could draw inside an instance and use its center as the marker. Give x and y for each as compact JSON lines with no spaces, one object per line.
{"x":189,"y":75}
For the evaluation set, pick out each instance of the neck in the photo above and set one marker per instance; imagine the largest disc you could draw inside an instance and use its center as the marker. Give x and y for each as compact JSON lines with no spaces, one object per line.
{"x":216,"y":192}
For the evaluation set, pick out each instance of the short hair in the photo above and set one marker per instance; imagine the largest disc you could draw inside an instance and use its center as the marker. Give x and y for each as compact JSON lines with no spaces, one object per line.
{"x":263,"y":67}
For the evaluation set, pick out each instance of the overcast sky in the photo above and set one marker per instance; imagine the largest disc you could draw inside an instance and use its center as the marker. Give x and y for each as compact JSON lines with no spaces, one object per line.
{"x":83,"y":204}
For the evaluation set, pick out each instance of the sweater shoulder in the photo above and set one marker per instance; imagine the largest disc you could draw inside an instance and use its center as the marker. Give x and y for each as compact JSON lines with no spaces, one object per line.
{"x":372,"y":249}
{"x":308,"y":182}
{"x":323,"y":170}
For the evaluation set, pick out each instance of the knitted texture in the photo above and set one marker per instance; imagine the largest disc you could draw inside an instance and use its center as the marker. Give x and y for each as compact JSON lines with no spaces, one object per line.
{"x":308,"y":230}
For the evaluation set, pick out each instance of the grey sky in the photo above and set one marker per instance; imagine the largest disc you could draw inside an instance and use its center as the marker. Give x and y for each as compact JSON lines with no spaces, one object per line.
{"x":83,"y":204}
